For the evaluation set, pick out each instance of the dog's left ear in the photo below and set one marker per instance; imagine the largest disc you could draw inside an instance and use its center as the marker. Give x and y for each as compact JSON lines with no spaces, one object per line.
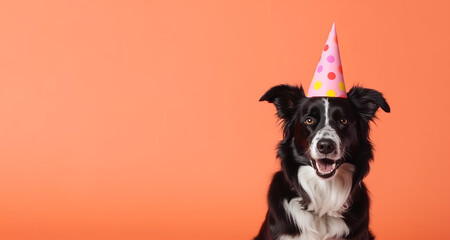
{"x":367,"y":101}
{"x":284,"y":97}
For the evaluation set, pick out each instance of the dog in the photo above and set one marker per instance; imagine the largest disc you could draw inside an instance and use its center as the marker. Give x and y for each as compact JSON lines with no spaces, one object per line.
{"x":325,"y":154}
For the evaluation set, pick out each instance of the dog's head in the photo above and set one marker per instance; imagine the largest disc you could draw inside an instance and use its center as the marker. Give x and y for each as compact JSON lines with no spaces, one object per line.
{"x":325,"y":132}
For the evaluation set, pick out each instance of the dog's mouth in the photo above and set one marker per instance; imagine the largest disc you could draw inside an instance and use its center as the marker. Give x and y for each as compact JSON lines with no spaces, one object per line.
{"x":325,"y":167}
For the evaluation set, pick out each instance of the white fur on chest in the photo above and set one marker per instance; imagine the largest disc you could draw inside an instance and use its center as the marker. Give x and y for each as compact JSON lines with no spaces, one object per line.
{"x":329,"y":199}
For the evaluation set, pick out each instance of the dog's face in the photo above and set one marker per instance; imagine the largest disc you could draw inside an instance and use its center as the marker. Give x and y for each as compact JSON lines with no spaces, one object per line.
{"x":325,"y":131}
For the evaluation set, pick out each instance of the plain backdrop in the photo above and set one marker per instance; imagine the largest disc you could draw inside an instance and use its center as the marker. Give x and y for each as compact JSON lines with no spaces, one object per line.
{"x":141,"y":120}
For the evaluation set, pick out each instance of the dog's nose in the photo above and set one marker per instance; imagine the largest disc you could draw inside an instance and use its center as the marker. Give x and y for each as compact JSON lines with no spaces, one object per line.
{"x":326,"y":146}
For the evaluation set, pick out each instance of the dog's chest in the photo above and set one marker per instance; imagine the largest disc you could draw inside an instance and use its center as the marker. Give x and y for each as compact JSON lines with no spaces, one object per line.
{"x":322,"y":220}
{"x":312,"y":225}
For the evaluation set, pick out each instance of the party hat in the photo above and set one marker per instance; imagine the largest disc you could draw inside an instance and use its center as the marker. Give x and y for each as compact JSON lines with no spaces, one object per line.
{"x":328,"y":79}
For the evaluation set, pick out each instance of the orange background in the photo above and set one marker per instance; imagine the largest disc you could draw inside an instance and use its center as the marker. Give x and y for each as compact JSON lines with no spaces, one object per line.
{"x":141,"y":120}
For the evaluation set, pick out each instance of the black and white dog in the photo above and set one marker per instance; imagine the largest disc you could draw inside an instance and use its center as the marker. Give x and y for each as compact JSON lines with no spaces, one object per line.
{"x":325,"y":154}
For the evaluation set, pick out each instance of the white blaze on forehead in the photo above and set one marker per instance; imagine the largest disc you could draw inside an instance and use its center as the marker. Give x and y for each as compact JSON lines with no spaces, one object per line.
{"x":326,"y":104}
{"x":327,"y":132}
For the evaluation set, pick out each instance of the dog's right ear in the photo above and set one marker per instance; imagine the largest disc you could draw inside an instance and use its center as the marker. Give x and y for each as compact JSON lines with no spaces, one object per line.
{"x":284,"y":97}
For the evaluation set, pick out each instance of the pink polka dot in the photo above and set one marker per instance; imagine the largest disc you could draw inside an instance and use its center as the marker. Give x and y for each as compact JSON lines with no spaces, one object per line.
{"x":326,"y":48}
{"x":331,"y":75}
{"x":330,"y":59}
{"x":340,"y":68}
{"x":343,"y":96}
{"x":319,"y":69}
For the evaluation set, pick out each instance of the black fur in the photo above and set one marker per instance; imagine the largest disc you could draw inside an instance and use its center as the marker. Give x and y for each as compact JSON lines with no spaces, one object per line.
{"x":292,"y":107}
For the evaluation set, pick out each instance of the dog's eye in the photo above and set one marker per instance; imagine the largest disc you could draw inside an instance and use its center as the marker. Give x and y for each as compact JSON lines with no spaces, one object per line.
{"x":343,"y":121}
{"x":309,"y":121}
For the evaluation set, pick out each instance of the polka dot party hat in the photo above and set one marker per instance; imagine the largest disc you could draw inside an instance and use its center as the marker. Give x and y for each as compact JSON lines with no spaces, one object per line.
{"x":328,"y":79}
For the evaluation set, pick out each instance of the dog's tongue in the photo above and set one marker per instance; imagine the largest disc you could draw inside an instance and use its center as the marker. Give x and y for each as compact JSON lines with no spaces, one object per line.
{"x":325,"y":167}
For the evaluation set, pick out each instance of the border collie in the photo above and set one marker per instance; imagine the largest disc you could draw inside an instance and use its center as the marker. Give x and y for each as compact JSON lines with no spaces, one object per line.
{"x":325,"y":154}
